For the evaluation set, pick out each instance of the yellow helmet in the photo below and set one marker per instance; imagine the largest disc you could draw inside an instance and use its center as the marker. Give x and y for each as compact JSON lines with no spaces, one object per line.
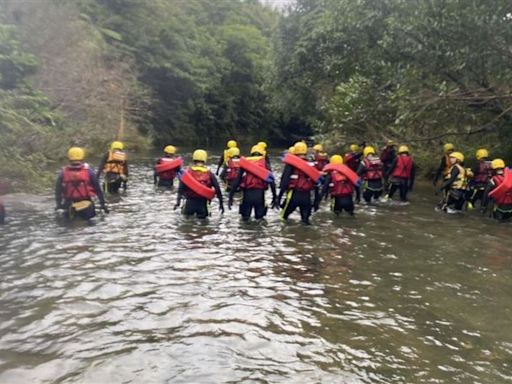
{"x":262,"y":144}
{"x":170,"y":149}
{"x":117,"y":145}
{"x":257,"y":149}
{"x":291,"y":150}
{"x":457,"y":155}
{"x":403,"y":149}
{"x":482,"y":153}
{"x":232,"y":152}
{"x":354,"y":147}
{"x":336,"y":159}
{"x":231,"y":144}
{"x":448,"y":147}
{"x":301,"y":148}
{"x":497,"y":164}
{"x":200,"y":155}
{"x":76,"y":154}
{"x":318,"y":147}
{"x":368,"y":151}
{"x":390,"y":143}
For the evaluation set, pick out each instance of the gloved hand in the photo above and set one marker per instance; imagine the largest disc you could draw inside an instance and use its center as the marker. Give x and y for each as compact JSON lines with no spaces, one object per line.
{"x":230,"y":204}
{"x":104,"y":208}
{"x":221,"y":209}
{"x":275,"y":203}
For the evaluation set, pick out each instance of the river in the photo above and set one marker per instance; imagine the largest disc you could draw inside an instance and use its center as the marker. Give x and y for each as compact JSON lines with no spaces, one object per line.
{"x":398,"y":294}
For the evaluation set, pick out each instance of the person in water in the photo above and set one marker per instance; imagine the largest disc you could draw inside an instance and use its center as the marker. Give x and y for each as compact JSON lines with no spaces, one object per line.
{"x":401,"y":173}
{"x":199,"y":186}
{"x":263,"y":146}
{"x":387,"y":156}
{"x":455,"y":184}
{"x":445,"y":165}
{"x":352,"y":159}
{"x":254,"y":182}
{"x":371,"y":171}
{"x":167,"y":168}
{"x":339,"y":187}
{"x":224,"y":157}
{"x":115,"y":166}
{"x":230,"y":169}
{"x":482,"y":173}
{"x":501,"y":199}
{"x":321,"y":158}
{"x":76,"y":187}
{"x":297,"y":185}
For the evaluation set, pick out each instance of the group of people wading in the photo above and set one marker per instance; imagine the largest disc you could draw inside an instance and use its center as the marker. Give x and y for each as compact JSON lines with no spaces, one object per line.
{"x":308,"y":177}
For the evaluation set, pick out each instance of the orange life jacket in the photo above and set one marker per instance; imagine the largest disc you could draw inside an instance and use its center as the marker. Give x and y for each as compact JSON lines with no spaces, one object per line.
{"x":76,"y":183}
{"x":340,"y":185}
{"x":374,"y":169}
{"x":250,"y":180}
{"x":403,"y":168}
{"x":115,"y":163}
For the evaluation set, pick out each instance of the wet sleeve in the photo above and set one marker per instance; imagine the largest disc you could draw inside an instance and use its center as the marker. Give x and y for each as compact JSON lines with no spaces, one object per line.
{"x":216,"y":186}
{"x":285,"y":180}
{"x":102,"y":165}
{"x":181,"y":191}
{"x":223,"y":171}
{"x":58,"y":191}
{"x":273,"y":189}
{"x":220,"y":163}
{"x":96,"y":185}
{"x":451,"y":180}
{"x":236,"y":183}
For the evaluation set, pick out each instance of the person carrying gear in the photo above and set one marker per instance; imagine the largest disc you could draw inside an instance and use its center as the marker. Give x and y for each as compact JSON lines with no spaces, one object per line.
{"x":253,"y":178}
{"x":230,"y":170}
{"x":115,"y":167}
{"x":499,"y":192}
{"x":352,"y":159}
{"x":401,"y":173}
{"x":263,"y":146}
{"x":371,"y":171}
{"x":482,"y":173}
{"x":321,"y":157}
{"x":223,"y":159}
{"x":445,"y":165}
{"x":299,"y":178}
{"x":76,"y":187}
{"x":199,"y":186}
{"x":167,"y":168}
{"x":339,"y":186}
{"x":455,"y":184}
{"x":387,"y":156}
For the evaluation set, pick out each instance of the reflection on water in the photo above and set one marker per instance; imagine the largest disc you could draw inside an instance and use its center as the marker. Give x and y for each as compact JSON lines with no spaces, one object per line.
{"x":399,"y":294}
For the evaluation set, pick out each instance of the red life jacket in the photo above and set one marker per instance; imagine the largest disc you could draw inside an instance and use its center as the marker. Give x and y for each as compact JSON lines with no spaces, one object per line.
{"x":374,"y":169}
{"x":76,"y":183}
{"x":321,"y":160}
{"x":504,"y":197}
{"x":300,"y":181}
{"x":232,"y":169}
{"x":484,"y":172}
{"x":199,"y":188}
{"x":351,"y":160}
{"x":340,"y":185}
{"x":403,"y":168}
{"x":166,"y":168}
{"x":251,"y":181}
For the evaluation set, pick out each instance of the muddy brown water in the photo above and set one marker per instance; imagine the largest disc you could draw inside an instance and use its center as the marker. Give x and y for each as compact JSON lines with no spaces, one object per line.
{"x":398,"y":294}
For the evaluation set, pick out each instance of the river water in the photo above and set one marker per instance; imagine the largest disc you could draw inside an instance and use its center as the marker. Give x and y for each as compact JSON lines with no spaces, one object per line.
{"x":398,"y":294}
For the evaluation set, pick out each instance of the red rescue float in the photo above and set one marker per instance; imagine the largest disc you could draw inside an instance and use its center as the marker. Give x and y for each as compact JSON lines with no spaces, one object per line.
{"x":344,"y":170}
{"x":505,"y":188}
{"x":303,"y":166}
{"x":197,"y":187}
{"x":169,"y":165}
{"x":260,"y":172}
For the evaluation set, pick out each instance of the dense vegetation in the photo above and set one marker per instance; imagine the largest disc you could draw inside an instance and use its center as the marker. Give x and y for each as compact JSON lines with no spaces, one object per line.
{"x":198,"y":71}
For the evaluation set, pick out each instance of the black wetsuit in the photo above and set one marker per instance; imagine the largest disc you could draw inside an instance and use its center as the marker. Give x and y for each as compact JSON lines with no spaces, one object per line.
{"x":297,"y":199}
{"x":198,"y":206}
